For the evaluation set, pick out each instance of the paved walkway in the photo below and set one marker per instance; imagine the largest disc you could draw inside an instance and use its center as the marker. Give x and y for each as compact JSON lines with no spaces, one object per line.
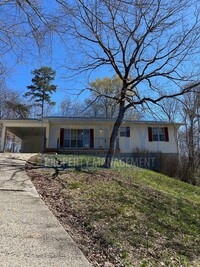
{"x":30,"y":235}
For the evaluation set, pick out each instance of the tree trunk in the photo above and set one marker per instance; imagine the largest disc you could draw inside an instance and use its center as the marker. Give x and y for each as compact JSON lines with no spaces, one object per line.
{"x":42,"y":115}
{"x":113,"y":137}
{"x":191,"y":157}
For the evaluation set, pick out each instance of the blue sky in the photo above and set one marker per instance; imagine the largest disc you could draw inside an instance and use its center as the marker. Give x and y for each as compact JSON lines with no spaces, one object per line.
{"x":59,"y":55}
{"x":24,"y":57}
{"x":20,"y":75}
{"x":22,"y":78}
{"x":54,"y":54}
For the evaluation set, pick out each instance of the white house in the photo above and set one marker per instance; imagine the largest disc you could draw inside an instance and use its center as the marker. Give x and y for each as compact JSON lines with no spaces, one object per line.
{"x":85,"y":135}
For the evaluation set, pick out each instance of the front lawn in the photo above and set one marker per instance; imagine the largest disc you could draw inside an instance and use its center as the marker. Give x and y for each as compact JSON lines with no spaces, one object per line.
{"x":149,"y":218}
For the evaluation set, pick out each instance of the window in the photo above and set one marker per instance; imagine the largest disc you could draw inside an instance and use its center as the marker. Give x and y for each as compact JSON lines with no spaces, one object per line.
{"x":77,"y":138}
{"x":124,"y":131}
{"x":158,"y":134}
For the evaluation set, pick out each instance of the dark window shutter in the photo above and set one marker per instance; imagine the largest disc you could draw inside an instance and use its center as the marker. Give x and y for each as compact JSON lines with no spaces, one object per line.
{"x":150,"y":134}
{"x":62,"y":137}
{"x":91,"y":138}
{"x":166,"y":135}
{"x":127,"y":131}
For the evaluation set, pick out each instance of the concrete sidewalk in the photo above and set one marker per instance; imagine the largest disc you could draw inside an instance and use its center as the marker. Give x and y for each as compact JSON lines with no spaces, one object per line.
{"x":29,"y":233}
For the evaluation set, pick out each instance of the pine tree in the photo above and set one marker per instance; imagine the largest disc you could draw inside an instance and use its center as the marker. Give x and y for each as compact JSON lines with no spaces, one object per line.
{"x":41,"y":89}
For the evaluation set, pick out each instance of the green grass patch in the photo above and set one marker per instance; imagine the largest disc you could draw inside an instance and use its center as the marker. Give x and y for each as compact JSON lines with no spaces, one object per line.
{"x":81,"y":162}
{"x":153,"y":219}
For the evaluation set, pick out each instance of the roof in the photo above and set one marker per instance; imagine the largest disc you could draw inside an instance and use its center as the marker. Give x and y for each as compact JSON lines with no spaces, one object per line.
{"x":87,"y":119}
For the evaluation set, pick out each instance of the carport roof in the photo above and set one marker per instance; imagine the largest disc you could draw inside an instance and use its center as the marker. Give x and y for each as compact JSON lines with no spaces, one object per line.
{"x":27,"y":127}
{"x":26,"y":131}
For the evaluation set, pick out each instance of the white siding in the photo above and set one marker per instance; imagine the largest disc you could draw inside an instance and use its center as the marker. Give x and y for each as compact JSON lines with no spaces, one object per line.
{"x":54,"y":135}
{"x":138,"y":140}
{"x":101,"y":133}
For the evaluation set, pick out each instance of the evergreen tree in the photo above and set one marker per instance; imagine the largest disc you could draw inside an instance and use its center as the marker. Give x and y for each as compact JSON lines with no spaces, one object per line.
{"x":15,"y":109}
{"x":41,"y":89}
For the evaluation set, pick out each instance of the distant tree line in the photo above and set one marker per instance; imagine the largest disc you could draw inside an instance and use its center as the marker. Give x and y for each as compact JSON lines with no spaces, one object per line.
{"x":185,"y":109}
{"x":100,"y":103}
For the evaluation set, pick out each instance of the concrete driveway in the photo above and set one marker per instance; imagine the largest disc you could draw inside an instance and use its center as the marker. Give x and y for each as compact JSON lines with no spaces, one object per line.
{"x":29,"y":233}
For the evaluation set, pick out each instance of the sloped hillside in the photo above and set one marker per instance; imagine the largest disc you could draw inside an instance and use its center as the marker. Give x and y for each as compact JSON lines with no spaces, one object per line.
{"x":138,"y":217}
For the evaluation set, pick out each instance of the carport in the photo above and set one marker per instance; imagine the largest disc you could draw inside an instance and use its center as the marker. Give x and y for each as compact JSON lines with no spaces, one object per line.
{"x":33,"y":133}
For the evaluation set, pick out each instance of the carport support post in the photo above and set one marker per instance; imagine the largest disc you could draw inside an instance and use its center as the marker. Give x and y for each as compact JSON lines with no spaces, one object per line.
{"x":3,"y":135}
{"x":47,"y":136}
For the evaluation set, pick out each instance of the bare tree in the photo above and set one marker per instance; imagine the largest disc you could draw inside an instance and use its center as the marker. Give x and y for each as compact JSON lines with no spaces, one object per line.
{"x":150,"y":45}
{"x":169,"y":109}
{"x":11,"y":104}
{"x":3,"y":96}
{"x":190,"y":134}
{"x":69,"y":108}
{"x":100,"y":105}
{"x":16,"y":109}
{"x":101,"y":102}
{"x":24,"y":26}
{"x":185,"y":108}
